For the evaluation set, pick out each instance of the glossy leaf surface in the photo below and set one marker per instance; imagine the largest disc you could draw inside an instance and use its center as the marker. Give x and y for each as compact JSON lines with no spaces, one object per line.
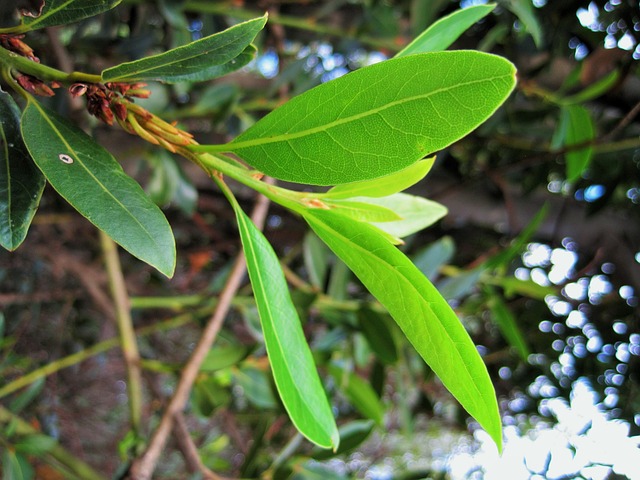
{"x":91,"y":180}
{"x":21,"y":183}
{"x":201,"y":60}
{"x":423,"y":315}
{"x":446,"y":30}
{"x":292,"y":364}
{"x":376,"y":120}
{"x":60,"y":12}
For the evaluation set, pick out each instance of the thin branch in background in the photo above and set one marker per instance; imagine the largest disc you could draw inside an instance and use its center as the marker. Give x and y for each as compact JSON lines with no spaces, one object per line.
{"x":143,"y":467}
{"x":189,"y":450}
{"x":128,"y":339}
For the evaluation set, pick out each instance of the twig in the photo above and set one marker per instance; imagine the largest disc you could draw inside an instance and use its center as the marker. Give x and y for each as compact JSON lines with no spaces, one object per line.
{"x":127,"y":335}
{"x":189,"y":450}
{"x":143,"y":467}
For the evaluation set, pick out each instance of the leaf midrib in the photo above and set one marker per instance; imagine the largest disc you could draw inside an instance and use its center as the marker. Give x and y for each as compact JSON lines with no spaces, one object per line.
{"x":366,"y":253}
{"x":285,"y":137}
{"x":267,"y":306}
{"x":81,"y":162}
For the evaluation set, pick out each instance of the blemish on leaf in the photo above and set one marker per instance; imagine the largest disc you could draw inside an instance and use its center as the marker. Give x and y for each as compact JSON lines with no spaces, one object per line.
{"x":65,"y":158}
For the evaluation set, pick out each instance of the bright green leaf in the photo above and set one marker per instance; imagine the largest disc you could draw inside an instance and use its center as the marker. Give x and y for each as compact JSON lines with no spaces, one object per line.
{"x":416,"y":213}
{"x":292,"y":364}
{"x":201,"y":60}
{"x":62,"y":12}
{"x":446,"y":30}
{"x":21,"y":183}
{"x":359,"y":393}
{"x":364,"y":211}
{"x":384,"y":186}
{"x":424,"y":316}
{"x":507,"y":324}
{"x":578,"y":127}
{"x":91,"y":180}
{"x":376,"y":120}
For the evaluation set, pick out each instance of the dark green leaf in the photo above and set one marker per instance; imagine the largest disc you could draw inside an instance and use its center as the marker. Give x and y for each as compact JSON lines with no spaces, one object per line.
{"x":316,"y":259}
{"x":201,"y":60}
{"x":208,"y":395}
{"x":523,"y":9}
{"x":424,"y":316}
{"x":220,"y":357}
{"x":379,"y":335}
{"x":359,"y":393}
{"x":579,"y":130}
{"x":445,"y":31}
{"x":508,"y":325}
{"x":21,"y":183}
{"x":91,"y":180}
{"x":376,"y":120}
{"x":168,"y":183}
{"x":61,"y":12}
{"x":27,"y":396}
{"x":15,"y":466}
{"x":292,"y":364}
{"x":594,"y":90}
{"x":352,"y":435}
{"x":462,"y":284}
{"x":256,"y":386}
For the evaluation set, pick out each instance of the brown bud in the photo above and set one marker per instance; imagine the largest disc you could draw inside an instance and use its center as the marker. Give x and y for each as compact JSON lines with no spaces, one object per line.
{"x":34,"y":86}
{"x":77,"y":89}
{"x":120,"y":110}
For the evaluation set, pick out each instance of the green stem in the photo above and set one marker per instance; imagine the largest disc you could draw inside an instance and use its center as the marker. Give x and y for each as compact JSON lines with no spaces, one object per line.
{"x":44,"y":72}
{"x":128,"y":338}
{"x":57,"y":456}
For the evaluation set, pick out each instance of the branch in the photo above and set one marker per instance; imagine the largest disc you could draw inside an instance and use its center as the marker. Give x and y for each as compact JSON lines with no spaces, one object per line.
{"x":143,"y":467}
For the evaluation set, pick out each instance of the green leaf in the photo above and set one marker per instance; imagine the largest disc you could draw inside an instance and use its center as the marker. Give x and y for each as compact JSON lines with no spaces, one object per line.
{"x":352,"y":435}
{"x":91,"y":180}
{"x":423,"y":315}
{"x":378,"y":333}
{"x":201,"y":60}
{"x":508,"y":325}
{"x":316,"y":259}
{"x":15,"y":466}
{"x":416,"y":213}
{"x":523,"y":9}
{"x":35,"y":444}
{"x":21,"y":183}
{"x":594,"y":90}
{"x":446,"y":30}
{"x":220,"y":357}
{"x":61,"y":12}
{"x":384,"y":186}
{"x":376,"y":120}
{"x":168,"y":183}
{"x":294,"y":370}
{"x":364,"y":211}
{"x":576,"y":122}
{"x":359,"y":393}
{"x":434,"y":256}
{"x":256,"y":387}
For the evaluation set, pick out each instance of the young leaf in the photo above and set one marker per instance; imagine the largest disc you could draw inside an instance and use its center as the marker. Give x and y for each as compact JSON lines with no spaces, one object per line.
{"x":292,"y":364}
{"x":201,"y":60}
{"x":424,"y":316}
{"x":523,"y":9}
{"x":91,"y":180}
{"x":381,"y":187}
{"x":376,"y":120}
{"x":21,"y":183}
{"x":416,"y":213}
{"x":365,"y":211}
{"x":446,"y":30}
{"x":579,"y":129}
{"x":60,"y":12}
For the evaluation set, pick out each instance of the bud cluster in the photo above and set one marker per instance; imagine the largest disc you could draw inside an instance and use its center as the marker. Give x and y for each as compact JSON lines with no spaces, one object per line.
{"x":15,"y":45}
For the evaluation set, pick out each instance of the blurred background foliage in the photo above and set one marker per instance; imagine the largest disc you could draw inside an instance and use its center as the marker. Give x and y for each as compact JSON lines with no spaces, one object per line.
{"x":540,"y":252}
